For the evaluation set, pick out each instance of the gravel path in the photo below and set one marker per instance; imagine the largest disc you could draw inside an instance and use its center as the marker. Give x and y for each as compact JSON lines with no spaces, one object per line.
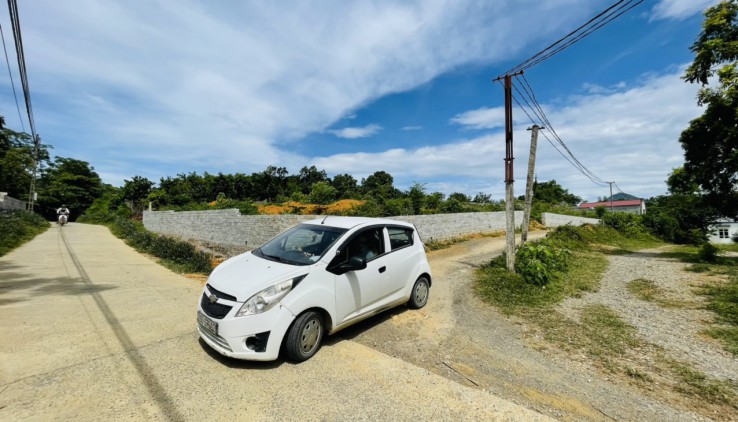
{"x":461,"y":338}
{"x":676,"y":330}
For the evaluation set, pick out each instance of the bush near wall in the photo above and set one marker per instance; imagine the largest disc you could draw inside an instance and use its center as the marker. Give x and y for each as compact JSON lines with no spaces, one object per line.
{"x":18,"y":227}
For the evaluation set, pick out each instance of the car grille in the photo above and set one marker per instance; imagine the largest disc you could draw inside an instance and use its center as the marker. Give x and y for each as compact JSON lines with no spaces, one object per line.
{"x":214,"y":310}
{"x":216,"y":339}
{"x":220,"y":294}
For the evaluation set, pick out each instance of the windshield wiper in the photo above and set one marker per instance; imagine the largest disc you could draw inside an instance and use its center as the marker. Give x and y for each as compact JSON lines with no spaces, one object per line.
{"x":278,"y":259}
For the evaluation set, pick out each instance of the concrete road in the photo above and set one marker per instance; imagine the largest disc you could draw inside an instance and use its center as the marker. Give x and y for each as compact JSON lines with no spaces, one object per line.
{"x":91,"y":330}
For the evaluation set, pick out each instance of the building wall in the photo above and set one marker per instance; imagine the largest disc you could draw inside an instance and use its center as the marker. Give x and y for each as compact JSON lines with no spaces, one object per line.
{"x":556,"y":220}
{"x":237,"y":233}
{"x":714,"y":236}
{"x":8,"y":203}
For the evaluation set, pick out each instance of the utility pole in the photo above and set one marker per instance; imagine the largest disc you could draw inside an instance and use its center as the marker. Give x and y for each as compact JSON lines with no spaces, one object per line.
{"x":610,"y":183}
{"x":32,"y":188}
{"x":529,"y":185}
{"x":509,"y":180}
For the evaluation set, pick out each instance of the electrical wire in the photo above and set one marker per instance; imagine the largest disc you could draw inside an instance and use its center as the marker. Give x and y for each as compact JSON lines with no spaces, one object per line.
{"x":528,"y":97}
{"x":12,"y":82}
{"x":15,"y":23}
{"x":603,"y":18}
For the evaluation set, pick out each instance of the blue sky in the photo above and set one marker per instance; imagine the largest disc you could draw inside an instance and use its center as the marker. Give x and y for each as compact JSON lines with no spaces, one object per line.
{"x":157,"y":88}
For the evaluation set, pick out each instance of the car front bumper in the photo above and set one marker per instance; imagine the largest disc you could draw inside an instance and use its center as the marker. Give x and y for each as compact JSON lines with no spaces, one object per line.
{"x":240,"y":337}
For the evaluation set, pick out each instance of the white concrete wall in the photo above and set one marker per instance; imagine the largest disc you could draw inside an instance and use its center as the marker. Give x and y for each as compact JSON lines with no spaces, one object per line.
{"x":556,"y":220}
{"x":714,"y":236}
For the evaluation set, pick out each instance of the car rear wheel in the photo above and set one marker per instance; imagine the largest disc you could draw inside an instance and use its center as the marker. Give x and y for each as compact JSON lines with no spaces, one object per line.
{"x":419,"y":295}
{"x":305,"y":336}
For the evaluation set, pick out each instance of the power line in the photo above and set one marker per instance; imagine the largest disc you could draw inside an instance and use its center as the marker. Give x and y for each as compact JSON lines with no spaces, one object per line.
{"x":12,"y":82}
{"x":528,"y":96}
{"x":15,"y":23}
{"x":594,"y":24}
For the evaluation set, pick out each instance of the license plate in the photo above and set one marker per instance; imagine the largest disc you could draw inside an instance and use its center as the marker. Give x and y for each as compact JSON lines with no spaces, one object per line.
{"x":207,"y":324}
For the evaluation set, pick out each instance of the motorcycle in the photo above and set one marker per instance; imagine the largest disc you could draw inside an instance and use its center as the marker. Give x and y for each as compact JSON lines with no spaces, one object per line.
{"x":62,"y":219}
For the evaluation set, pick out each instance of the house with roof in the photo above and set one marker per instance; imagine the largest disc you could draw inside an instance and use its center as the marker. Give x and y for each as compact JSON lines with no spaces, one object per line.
{"x":621,"y":202}
{"x":723,"y":230}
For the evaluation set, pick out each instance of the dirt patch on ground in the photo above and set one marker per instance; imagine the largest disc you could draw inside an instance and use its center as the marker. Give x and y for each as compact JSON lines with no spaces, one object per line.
{"x":463,"y":339}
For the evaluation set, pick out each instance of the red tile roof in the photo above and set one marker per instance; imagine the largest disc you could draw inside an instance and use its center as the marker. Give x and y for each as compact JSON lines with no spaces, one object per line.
{"x":628,"y":203}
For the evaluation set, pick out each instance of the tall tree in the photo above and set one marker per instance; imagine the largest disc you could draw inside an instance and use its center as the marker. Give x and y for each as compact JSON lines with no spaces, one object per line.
{"x":710,"y":143}
{"x":553,"y":193}
{"x":16,"y":161}
{"x":71,"y":182}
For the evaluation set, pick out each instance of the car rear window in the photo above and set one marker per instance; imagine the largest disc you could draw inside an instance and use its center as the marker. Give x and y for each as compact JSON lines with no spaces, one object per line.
{"x":400,"y":237}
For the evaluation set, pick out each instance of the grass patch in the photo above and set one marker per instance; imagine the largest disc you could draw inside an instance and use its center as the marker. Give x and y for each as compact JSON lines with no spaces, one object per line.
{"x":698,"y":384}
{"x":509,"y":292}
{"x":728,"y":336}
{"x":648,"y":291}
{"x":434,"y":245}
{"x":18,"y":227}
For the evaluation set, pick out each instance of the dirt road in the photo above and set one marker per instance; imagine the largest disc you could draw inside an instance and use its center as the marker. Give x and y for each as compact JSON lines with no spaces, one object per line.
{"x":91,"y":330}
{"x":462,"y":339}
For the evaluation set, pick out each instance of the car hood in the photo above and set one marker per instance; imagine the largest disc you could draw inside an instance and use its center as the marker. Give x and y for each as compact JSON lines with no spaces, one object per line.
{"x":245,"y":275}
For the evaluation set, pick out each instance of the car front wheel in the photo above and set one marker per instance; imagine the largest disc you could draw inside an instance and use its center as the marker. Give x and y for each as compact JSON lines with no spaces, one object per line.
{"x":305,"y":336}
{"x":419,"y":295}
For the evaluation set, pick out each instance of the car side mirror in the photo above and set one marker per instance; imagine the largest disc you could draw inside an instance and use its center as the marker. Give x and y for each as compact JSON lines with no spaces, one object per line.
{"x":354,"y":263}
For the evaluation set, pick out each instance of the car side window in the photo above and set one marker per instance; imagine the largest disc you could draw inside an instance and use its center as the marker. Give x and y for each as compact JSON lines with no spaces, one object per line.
{"x":367,"y":245}
{"x":400,"y":237}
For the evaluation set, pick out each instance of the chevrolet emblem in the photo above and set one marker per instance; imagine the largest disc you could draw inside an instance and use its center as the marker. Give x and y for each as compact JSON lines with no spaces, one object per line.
{"x":213,"y":298}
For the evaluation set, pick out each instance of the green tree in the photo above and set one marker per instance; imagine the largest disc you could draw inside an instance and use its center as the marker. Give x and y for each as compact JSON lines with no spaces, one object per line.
{"x":16,"y":161}
{"x":71,"y":182}
{"x":417,"y":196}
{"x":379,"y":185}
{"x":322,"y":193}
{"x":710,"y":143}
{"x":553,"y":193}
{"x":309,"y":176}
{"x":136,"y":191}
{"x":346,"y":186}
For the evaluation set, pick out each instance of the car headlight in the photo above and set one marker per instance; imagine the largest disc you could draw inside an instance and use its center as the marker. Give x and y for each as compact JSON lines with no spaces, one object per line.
{"x":267,"y":298}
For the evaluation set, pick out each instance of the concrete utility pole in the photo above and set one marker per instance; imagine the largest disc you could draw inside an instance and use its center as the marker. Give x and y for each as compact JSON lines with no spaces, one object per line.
{"x":610,"y":195}
{"x":32,"y":188}
{"x":509,"y":180}
{"x":529,"y":184}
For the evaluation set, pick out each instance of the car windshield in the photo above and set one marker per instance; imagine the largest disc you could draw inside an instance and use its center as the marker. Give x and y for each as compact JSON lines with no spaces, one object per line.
{"x":300,"y":245}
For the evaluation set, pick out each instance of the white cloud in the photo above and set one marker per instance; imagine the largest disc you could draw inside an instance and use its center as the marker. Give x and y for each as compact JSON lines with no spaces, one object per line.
{"x":229,"y":86}
{"x":481,"y":118}
{"x":356,"y":132}
{"x":629,"y":135}
{"x":680,"y":9}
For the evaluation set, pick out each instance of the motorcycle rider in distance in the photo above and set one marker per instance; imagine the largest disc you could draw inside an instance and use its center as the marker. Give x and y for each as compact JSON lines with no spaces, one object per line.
{"x":62,"y":215}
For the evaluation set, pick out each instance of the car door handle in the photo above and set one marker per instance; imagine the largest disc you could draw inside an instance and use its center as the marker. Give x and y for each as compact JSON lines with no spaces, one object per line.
{"x":383,"y":269}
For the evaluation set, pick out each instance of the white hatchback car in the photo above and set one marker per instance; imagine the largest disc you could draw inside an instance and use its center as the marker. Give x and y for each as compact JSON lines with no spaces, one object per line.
{"x":315,"y":278}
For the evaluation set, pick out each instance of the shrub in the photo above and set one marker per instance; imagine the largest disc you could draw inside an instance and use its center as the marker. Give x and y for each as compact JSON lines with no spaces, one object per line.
{"x":18,"y":227}
{"x":539,"y":262}
{"x":624,"y":222}
{"x":708,"y":252}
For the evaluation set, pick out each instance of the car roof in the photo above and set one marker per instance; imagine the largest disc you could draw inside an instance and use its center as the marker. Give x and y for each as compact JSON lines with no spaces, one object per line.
{"x":351,"y":222}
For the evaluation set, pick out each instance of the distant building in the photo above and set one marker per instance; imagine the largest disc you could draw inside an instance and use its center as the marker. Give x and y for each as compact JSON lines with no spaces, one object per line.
{"x":634,"y":206}
{"x":724,"y":230}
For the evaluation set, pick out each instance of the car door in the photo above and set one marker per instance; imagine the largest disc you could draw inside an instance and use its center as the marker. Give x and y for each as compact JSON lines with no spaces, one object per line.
{"x":364,"y":290}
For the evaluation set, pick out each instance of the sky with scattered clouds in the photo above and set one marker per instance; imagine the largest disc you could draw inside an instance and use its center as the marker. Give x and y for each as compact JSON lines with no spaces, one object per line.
{"x":163,"y":87}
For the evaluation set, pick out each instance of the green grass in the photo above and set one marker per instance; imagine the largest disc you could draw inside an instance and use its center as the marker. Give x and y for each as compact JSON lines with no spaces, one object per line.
{"x":18,"y":227}
{"x":696,"y":383}
{"x":648,"y":291}
{"x":599,"y":332}
{"x":511,"y":293}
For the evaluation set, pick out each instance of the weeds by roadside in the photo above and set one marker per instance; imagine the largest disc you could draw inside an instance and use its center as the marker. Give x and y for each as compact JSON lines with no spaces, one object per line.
{"x":598,"y":333}
{"x":18,"y":227}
